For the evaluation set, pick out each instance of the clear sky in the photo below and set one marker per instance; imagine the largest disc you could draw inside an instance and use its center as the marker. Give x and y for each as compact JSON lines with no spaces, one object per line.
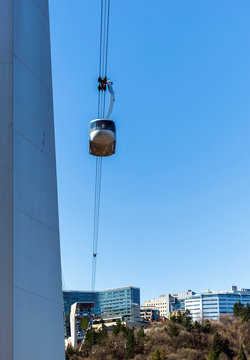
{"x":175,"y":203}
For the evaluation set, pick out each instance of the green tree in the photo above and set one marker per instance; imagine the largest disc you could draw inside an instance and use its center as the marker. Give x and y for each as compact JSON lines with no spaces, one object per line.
{"x":140,"y":333}
{"x":187,"y":320}
{"x":246,"y":313}
{"x":173,"y":318}
{"x":119,"y":327}
{"x":242,"y":311}
{"x":207,"y":327}
{"x":226,"y":349}
{"x":219,"y":345}
{"x":215,"y":350}
{"x":101,"y":335}
{"x":156,"y":354}
{"x":180,"y":318}
{"x":241,"y":354}
{"x":173,"y":330}
{"x":91,"y":337}
{"x":237,"y":309}
{"x":184,"y":319}
{"x":130,"y":344}
{"x":197,"y":326}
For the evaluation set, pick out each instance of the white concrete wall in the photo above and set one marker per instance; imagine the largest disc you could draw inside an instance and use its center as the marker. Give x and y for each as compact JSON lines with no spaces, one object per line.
{"x":32,"y":275}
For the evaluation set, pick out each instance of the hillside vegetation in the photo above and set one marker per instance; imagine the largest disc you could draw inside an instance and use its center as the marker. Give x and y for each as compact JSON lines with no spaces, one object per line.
{"x":175,"y":339}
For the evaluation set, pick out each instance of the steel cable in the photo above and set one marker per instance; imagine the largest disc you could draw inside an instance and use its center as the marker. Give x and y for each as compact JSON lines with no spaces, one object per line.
{"x":96,"y":217}
{"x":107,"y":40}
{"x":105,"y":53}
{"x":104,"y":37}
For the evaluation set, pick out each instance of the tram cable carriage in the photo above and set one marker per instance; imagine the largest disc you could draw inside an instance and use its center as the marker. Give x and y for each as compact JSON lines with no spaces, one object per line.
{"x":102,"y":132}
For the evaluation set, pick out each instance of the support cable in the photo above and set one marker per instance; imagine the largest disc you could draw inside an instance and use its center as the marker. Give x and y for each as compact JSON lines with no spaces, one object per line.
{"x":104,"y":37}
{"x":100,"y":59}
{"x":96,"y":217}
{"x":107,"y":40}
{"x":103,"y":84}
{"x":105,"y":60}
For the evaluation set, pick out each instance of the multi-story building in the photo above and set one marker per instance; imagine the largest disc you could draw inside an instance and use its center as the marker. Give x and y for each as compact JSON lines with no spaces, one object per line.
{"x":70,"y":298}
{"x":161,"y":303}
{"x":169,"y":302}
{"x":121,"y":303}
{"x":177,"y":301}
{"x":214,"y":304}
{"x":149,"y":314}
{"x":80,"y":317}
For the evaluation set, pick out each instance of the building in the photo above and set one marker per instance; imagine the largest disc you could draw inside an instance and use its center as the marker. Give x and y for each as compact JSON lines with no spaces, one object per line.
{"x":169,"y":302}
{"x":148,"y":314}
{"x":177,"y":301}
{"x":214,"y":304}
{"x":80,"y":316}
{"x":70,"y":298}
{"x":161,"y":303}
{"x":30,"y":266}
{"x":123,"y":303}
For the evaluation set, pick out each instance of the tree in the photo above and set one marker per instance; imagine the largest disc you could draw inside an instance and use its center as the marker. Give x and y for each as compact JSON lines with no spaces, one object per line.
{"x":242,"y":311}
{"x":241,"y":354}
{"x":226,"y":349}
{"x":91,"y":337}
{"x":180,"y":318}
{"x":207,"y":327}
{"x":197,"y":326}
{"x":219,"y":345}
{"x":140,"y":333}
{"x":237,"y":309}
{"x":187,"y":320}
{"x":215,"y":350}
{"x":173,"y":330}
{"x":101,"y":335}
{"x":156,"y":354}
{"x":173,"y":318}
{"x":119,"y":327}
{"x":246,"y":313}
{"x":130,"y":344}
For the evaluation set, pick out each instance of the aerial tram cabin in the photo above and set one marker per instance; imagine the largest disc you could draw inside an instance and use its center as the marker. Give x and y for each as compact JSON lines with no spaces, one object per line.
{"x":102,"y":137}
{"x":102,"y":132}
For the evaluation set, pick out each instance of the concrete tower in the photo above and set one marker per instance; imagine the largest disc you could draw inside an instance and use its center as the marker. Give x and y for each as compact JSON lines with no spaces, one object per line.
{"x":31,"y":319}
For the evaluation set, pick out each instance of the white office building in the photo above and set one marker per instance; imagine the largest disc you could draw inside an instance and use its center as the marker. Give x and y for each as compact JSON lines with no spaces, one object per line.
{"x":212,"y":305}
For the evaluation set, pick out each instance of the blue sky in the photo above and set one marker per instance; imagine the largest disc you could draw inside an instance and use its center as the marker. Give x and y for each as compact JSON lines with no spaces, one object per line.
{"x":175,"y":204}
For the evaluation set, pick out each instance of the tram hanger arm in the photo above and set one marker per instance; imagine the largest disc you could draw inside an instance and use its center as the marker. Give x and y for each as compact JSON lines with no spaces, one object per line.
{"x":111,"y":99}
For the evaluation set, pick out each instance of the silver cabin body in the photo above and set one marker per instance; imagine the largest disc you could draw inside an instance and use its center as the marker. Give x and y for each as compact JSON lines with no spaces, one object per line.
{"x":102,"y":137}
